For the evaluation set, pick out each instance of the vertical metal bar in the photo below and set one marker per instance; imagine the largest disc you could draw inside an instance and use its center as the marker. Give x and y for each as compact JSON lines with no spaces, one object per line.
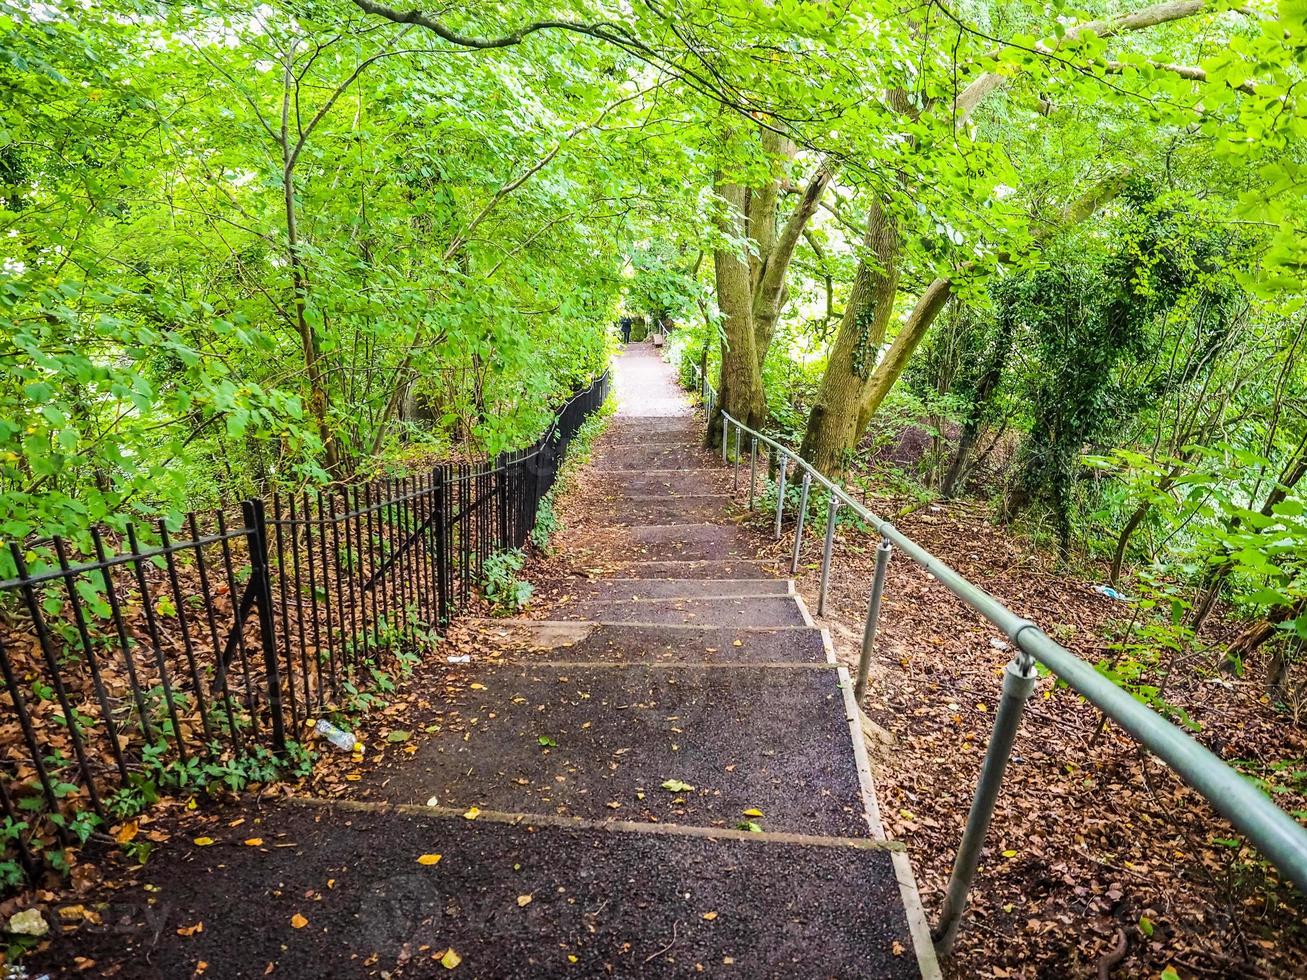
{"x":800,"y":521}
{"x":832,"y":506}
{"x":780,"y":492}
{"x":331,"y":560}
{"x":179,"y":605}
{"x":256,"y":527}
{"x":92,"y":662}
{"x":56,"y":678}
{"x":753,"y":469}
{"x":357,"y":631}
{"x":234,"y":594}
{"x":29,"y":734}
{"x":376,"y":594}
{"x":324,"y":555}
{"x":726,"y":437}
{"x":152,"y":627}
{"x":883,"y":551}
{"x":739,"y":434}
{"x":282,"y":590}
{"x":219,"y":669}
{"x":124,"y":643}
{"x":315,"y":625}
{"x":1018,"y":681}
{"x":441,"y":527}
{"x":309,"y":697}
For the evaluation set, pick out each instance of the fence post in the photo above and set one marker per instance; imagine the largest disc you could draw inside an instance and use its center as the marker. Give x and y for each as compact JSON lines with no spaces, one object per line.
{"x":831,"y":508}
{"x":256,"y":529}
{"x":726,"y":432}
{"x":1018,"y":681}
{"x":883,"y":551}
{"x":802,"y":519}
{"x":780,"y":493}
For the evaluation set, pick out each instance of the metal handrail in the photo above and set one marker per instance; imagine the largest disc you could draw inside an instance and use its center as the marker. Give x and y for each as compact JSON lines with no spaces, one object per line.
{"x":1273,"y":831}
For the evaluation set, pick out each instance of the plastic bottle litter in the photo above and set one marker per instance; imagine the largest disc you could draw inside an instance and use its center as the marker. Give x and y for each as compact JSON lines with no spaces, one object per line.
{"x":1111,"y":593}
{"x":344,"y":741}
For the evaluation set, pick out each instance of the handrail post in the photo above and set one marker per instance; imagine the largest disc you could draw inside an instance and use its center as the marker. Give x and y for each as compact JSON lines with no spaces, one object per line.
{"x":802,"y":520}
{"x":883,"y":551}
{"x":739,"y":436}
{"x":780,"y":493}
{"x":831,"y":508}
{"x":726,"y":434}
{"x":1018,"y":681}
{"x":753,"y":469}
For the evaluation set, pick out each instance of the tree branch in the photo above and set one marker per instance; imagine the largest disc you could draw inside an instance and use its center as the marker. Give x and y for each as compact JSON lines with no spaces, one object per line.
{"x":970,"y":97}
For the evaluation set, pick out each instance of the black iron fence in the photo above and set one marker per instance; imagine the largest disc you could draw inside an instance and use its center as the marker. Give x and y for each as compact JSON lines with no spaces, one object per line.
{"x":138,"y":660}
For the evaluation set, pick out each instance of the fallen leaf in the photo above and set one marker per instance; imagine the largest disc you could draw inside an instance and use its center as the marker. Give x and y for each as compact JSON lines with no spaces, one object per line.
{"x":677,"y":786}
{"x":190,"y":930}
{"x":127,"y":832}
{"x":523,"y":901}
{"x":254,"y":842}
{"x":471,"y":813}
{"x":709,"y":916}
{"x":753,"y":811}
{"x":397,"y":736}
{"x":450,"y":959}
{"x":298,"y":921}
{"x":202,"y":841}
{"x":429,"y":859}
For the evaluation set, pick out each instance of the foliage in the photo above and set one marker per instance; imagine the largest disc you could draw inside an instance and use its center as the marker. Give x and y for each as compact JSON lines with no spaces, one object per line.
{"x":505,"y":591}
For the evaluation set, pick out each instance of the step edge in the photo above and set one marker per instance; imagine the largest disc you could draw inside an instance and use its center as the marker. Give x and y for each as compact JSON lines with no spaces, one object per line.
{"x":588,"y":823}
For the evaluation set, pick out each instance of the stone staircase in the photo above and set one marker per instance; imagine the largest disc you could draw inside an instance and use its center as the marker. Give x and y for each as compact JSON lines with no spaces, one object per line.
{"x":659,"y":772}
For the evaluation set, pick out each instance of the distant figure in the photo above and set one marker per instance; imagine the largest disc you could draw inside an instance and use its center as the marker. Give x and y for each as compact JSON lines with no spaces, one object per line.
{"x":626,"y":329}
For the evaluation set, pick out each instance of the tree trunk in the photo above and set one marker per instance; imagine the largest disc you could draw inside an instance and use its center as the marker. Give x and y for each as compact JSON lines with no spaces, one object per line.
{"x":985,"y":390}
{"x":831,"y":434}
{"x":740,"y":391}
{"x":1243,"y":646}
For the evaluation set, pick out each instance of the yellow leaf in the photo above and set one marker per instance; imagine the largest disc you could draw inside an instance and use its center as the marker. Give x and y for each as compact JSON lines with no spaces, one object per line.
{"x":523,"y":901}
{"x":571,"y":958}
{"x":753,"y":811}
{"x":450,"y":959}
{"x":191,"y":930}
{"x":254,"y":842}
{"x":202,"y":841}
{"x":429,"y":859}
{"x":127,"y":832}
{"x":709,"y":916}
{"x":298,"y":921}
{"x":1009,"y":854}
{"x":738,"y":643}
{"x":471,"y":813}
{"x":477,"y":687}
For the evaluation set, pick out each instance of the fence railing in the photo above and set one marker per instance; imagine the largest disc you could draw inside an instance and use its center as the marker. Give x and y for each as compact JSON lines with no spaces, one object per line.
{"x":211,"y":645}
{"x":1273,"y":831}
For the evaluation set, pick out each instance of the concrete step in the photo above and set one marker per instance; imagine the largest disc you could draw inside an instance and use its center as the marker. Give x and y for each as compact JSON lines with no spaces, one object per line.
{"x":663,"y":509}
{"x":536,"y":640}
{"x":660,"y":457}
{"x":670,"y":542}
{"x":644,"y":425}
{"x":704,"y":482}
{"x":776,"y":739}
{"x":725,"y":569}
{"x":513,"y":896}
{"x":578,"y":589}
{"x":725,"y":611}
